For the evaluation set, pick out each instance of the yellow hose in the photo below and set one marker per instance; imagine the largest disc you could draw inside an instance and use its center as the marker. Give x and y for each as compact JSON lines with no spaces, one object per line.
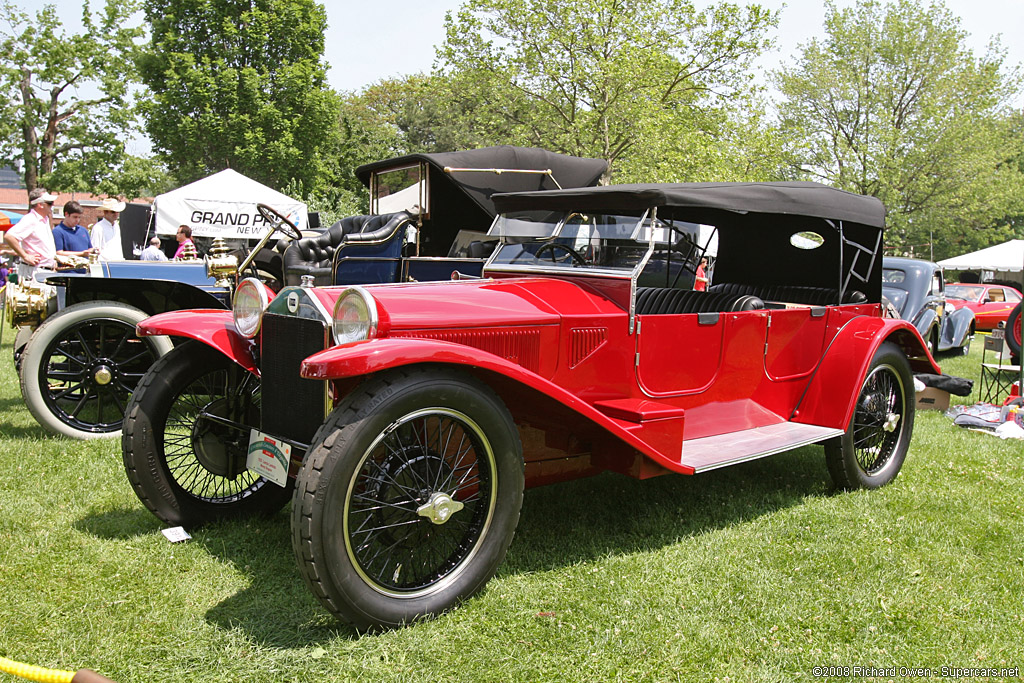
{"x":35,"y":673}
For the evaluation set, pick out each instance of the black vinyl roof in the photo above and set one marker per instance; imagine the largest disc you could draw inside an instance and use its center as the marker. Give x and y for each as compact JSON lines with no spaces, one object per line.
{"x":569,"y":171}
{"x":791,"y":198}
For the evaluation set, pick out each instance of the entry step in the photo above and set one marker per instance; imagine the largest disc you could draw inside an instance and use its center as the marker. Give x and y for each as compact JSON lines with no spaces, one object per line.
{"x":712,"y":452}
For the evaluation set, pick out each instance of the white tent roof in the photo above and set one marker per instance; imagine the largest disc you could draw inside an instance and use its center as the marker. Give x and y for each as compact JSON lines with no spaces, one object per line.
{"x":1006,"y":257}
{"x":223,"y":205}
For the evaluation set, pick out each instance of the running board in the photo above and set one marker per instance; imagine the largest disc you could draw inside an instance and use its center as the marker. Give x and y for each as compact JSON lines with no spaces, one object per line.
{"x":712,"y":452}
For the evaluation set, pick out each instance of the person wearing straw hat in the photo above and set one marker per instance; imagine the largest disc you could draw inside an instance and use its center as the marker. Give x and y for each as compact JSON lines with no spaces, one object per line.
{"x":31,"y":237}
{"x":106,"y":234}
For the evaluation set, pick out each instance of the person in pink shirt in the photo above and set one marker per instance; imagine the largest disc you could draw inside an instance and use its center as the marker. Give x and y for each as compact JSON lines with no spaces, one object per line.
{"x":31,"y":238}
{"x":184,"y":238}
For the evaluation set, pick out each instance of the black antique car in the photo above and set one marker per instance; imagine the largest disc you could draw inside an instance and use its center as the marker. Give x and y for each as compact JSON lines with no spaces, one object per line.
{"x":916,"y":290}
{"x":429,"y":214}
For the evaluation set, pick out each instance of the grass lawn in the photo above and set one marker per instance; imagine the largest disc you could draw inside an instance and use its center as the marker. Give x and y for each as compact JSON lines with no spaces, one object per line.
{"x":758,"y":572}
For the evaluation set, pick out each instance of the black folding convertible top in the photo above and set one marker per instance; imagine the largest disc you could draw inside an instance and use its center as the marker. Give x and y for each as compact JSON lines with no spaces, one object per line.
{"x":569,"y":171}
{"x":789,"y":198}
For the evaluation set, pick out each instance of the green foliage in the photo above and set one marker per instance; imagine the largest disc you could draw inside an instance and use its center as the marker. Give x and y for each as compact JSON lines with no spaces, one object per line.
{"x":240,"y":84}
{"x":652,"y":86}
{"x":891,"y":103}
{"x":46,"y":120}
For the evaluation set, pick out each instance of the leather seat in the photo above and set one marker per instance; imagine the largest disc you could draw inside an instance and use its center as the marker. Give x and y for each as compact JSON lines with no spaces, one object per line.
{"x":315,"y":255}
{"x":811,"y":296}
{"x":661,"y":301}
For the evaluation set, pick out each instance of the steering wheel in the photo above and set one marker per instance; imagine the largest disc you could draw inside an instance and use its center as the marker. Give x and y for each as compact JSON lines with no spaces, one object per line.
{"x":279,"y":221}
{"x":551,"y":246}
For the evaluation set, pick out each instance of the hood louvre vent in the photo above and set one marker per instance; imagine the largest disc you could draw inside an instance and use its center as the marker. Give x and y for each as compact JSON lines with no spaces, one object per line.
{"x":583,"y":341}
{"x":518,"y":345}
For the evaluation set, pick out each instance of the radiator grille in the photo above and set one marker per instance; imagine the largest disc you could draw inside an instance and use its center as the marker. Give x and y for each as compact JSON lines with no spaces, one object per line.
{"x":518,"y":346}
{"x":293,"y":407}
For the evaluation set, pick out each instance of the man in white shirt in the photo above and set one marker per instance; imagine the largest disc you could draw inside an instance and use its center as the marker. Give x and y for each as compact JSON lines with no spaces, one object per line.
{"x":31,"y":238}
{"x":153,"y":251}
{"x":106,"y":234}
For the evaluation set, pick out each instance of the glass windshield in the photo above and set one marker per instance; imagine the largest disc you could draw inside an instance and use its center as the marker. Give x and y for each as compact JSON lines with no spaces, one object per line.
{"x":965,"y":292}
{"x":581,"y":242}
{"x":400,"y":189}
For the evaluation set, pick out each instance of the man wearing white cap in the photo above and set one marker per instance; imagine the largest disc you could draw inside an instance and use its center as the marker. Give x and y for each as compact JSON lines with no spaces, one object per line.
{"x":106,"y":234}
{"x":31,"y":238}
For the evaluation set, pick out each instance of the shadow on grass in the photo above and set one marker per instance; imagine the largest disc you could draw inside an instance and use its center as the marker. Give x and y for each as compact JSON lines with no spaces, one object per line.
{"x":560,"y":525}
{"x":9,"y":408}
{"x":119,"y":525}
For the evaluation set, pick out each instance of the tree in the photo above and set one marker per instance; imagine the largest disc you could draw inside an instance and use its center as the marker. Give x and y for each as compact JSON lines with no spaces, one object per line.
{"x":241,"y":84}
{"x":891,"y":103}
{"x":635,"y":82}
{"x":66,"y":95}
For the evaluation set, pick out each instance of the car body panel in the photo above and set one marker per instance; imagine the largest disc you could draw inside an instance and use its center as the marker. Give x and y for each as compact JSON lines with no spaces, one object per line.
{"x":214,"y":328}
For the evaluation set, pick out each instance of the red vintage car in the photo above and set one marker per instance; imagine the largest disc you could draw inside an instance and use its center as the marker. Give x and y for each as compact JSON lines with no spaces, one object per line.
{"x":991,"y":303}
{"x":405,"y":420}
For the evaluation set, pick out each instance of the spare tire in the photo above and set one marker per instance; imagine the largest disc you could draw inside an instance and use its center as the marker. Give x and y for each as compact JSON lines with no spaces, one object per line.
{"x":1013,"y":338}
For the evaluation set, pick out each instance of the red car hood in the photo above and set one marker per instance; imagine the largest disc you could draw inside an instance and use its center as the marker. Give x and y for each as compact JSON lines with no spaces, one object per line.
{"x":479,"y":303}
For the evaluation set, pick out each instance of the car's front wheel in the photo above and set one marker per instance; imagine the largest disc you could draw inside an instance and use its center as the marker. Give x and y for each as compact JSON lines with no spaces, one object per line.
{"x":871,"y":452}
{"x":186,"y":437}
{"x":409,"y":499}
{"x":80,"y":367}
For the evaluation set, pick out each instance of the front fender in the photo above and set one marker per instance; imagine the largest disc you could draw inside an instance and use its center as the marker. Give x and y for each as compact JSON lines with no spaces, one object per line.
{"x":924,"y":321}
{"x":959,"y":324}
{"x":214,"y":328}
{"x":831,"y":396}
{"x":375,"y":355}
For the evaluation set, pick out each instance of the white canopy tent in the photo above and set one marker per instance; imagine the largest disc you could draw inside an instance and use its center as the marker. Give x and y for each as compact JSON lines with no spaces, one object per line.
{"x":223,"y":205}
{"x":1007,"y":257}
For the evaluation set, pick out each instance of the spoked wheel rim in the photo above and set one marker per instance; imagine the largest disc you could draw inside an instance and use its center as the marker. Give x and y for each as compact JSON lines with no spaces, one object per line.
{"x":206,"y":437}
{"x":88,"y":373}
{"x":420,"y":503}
{"x":878,"y":420}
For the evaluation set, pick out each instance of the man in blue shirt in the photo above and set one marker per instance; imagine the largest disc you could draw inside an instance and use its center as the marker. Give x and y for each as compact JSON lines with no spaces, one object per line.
{"x":70,"y":238}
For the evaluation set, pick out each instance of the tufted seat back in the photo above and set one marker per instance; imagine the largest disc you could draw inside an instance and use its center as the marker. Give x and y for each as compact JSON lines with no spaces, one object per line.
{"x":811,"y":296}
{"x":315,"y":255}
{"x":659,"y":301}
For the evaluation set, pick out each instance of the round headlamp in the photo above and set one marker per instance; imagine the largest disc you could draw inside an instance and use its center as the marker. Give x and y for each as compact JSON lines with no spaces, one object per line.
{"x":250,"y":301}
{"x":355,"y":316}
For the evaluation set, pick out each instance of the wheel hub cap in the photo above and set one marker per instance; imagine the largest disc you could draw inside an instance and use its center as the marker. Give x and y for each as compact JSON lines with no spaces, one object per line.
{"x":892,"y":420}
{"x":103,"y":375}
{"x":440,"y":508}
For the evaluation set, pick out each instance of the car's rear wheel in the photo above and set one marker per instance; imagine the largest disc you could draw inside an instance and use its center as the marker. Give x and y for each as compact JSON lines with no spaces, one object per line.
{"x":410,"y":498}
{"x":871,"y":452}
{"x":186,"y":437}
{"x":80,"y":367}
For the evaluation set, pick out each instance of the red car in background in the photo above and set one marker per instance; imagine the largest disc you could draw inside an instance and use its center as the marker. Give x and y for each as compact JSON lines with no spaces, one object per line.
{"x":991,"y":303}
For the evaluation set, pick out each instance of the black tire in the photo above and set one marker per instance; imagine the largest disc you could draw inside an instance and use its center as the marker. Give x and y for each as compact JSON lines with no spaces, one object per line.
{"x":80,"y":367}
{"x":186,"y":468}
{"x":871,"y":452}
{"x":1012,"y":332}
{"x":932,"y":341}
{"x":380,"y":442}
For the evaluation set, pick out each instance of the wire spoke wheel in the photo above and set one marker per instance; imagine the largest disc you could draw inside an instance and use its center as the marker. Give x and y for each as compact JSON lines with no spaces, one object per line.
{"x":410,"y":497}
{"x":871,"y":452}
{"x":206,"y":437}
{"x":421,"y":500}
{"x":186,"y":439}
{"x":880,"y":409}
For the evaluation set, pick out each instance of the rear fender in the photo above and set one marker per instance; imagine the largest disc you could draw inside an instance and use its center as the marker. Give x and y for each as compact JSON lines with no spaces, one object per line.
{"x":925,"y":321}
{"x":363,"y":358}
{"x":831,"y":396}
{"x":211,"y":327}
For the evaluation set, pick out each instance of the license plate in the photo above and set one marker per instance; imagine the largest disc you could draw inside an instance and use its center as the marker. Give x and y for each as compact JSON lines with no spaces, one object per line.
{"x":268,"y":457}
